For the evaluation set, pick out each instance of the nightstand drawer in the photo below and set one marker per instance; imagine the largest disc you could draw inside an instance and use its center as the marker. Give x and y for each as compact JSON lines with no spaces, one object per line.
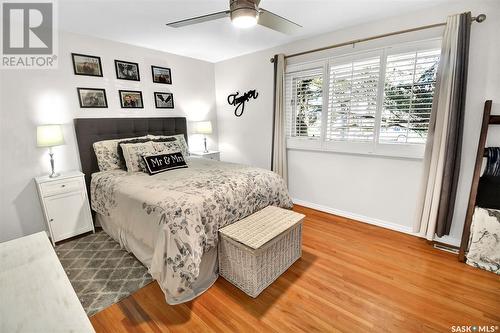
{"x":212,"y":156}
{"x":61,"y":186}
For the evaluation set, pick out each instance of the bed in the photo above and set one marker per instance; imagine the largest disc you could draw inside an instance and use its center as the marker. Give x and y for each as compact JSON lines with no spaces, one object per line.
{"x":169,"y":221}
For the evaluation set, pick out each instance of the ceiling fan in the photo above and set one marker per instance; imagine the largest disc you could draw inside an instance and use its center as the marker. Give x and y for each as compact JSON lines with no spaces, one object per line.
{"x":245,"y":14}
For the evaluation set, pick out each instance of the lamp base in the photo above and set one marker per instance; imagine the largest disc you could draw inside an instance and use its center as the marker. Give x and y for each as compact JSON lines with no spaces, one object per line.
{"x":205,"y":145}
{"x":53,"y":174}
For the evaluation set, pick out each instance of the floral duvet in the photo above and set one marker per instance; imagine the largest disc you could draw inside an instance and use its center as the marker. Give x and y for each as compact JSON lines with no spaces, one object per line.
{"x":178,"y":213}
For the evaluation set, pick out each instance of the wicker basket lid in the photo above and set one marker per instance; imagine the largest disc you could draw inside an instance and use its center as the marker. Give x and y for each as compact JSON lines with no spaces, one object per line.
{"x":259,"y":228}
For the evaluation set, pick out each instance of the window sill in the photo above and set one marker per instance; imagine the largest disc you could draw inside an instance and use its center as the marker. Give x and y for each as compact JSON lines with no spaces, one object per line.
{"x":412,"y":152}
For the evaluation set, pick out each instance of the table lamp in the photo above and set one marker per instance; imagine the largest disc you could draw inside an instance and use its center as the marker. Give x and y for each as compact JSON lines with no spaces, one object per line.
{"x":50,"y":136}
{"x":203,"y":127}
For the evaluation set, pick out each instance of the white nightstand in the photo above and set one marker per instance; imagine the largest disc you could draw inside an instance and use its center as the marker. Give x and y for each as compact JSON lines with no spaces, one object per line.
{"x":65,"y":205}
{"x":212,"y":154}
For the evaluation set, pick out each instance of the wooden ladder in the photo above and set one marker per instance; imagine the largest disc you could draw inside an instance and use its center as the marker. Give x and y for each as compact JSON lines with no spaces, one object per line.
{"x":488,"y":119}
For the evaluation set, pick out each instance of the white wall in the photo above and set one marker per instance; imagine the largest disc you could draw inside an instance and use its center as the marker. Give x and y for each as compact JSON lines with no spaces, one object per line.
{"x":373,"y":189}
{"x":378,"y":190}
{"x":32,"y":97}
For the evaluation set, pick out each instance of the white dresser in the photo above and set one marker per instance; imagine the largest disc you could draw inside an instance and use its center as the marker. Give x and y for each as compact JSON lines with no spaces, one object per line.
{"x":35,"y":293}
{"x":65,"y":205}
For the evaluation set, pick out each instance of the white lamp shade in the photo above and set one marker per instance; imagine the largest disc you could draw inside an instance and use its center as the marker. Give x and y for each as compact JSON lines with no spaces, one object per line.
{"x":49,"y":136}
{"x":203,"y":127}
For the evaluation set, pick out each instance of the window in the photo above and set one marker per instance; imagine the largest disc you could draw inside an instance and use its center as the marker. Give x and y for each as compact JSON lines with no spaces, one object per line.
{"x":408,"y":93}
{"x":305,"y":103}
{"x":376,"y":102}
{"x":352,"y":103}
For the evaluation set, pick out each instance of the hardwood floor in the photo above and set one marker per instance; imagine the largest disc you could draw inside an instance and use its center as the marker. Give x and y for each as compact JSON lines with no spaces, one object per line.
{"x":352,"y":277}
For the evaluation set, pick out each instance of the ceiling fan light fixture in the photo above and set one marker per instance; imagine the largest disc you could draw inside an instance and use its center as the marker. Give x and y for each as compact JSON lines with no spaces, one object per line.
{"x":244,"y":21}
{"x":244,"y":13}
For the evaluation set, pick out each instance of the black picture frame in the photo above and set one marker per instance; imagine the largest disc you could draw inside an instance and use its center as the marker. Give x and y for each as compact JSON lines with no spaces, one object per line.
{"x":157,"y":102}
{"x":167,"y":80}
{"x":81,"y":71}
{"x":86,"y":105}
{"x":122,"y":104}
{"x":136,"y":65}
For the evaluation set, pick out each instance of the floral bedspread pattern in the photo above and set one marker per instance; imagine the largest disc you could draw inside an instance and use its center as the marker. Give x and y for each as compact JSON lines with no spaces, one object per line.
{"x":484,"y":244}
{"x":179,"y":212}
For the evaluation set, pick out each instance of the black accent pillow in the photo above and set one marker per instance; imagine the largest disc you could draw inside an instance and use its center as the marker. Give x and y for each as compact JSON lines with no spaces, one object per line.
{"x":141,"y":140}
{"x":488,"y":192}
{"x":164,"y":162}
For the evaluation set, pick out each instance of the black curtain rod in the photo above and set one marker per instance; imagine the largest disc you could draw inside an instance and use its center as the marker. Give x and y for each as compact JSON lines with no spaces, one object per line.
{"x":480,"y":18}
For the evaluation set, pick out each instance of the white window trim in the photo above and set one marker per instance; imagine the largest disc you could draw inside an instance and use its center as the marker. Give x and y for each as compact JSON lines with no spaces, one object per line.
{"x":407,"y":151}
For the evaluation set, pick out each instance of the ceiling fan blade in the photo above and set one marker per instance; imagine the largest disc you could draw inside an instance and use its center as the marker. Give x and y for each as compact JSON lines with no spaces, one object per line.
{"x":278,"y":23}
{"x":199,"y":19}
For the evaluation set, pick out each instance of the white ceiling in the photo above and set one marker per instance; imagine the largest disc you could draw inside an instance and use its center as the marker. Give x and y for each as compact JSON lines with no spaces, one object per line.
{"x":142,"y":22}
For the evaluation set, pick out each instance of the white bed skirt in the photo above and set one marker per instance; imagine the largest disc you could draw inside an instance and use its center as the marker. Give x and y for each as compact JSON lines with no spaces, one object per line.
{"x":208,"y":268}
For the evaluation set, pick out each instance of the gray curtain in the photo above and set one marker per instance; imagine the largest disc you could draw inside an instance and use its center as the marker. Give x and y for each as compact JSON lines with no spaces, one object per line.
{"x":455,"y":129}
{"x":444,"y":142}
{"x":278,"y":160}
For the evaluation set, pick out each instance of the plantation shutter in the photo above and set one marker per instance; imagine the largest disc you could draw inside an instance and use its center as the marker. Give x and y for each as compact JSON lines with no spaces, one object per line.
{"x":304,"y":103}
{"x":353,"y":100}
{"x":408,"y":92}
{"x":369,"y":102}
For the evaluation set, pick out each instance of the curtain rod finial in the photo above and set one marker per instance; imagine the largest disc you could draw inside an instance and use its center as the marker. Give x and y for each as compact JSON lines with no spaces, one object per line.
{"x":271,"y":60}
{"x":480,"y":18}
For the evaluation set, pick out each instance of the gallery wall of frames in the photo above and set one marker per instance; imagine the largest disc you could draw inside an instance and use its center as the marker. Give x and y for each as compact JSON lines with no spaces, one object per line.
{"x":91,"y":97}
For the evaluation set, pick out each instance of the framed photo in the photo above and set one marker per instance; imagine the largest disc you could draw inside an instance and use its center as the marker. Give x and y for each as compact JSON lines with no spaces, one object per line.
{"x":92,"y":98}
{"x":86,"y":64}
{"x":127,"y":70}
{"x":164,"y":100}
{"x":130,"y":99}
{"x":161,"y":75}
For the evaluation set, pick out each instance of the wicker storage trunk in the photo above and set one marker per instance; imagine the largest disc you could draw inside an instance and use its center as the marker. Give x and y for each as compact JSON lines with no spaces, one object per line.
{"x":256,"y":250}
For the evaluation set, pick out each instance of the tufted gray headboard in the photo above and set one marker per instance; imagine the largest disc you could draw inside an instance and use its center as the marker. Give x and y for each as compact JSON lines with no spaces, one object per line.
{"x":90,"y":130}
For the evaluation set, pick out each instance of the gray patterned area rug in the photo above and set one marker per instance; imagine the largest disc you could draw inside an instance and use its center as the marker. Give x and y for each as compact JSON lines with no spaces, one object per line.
{"x":100,"y":271}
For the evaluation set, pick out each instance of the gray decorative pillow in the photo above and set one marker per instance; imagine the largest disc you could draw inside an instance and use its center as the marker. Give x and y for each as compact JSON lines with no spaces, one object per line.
{"x":107,"y":154}
{"x":133,"y":152}
{"x":180,"y":139}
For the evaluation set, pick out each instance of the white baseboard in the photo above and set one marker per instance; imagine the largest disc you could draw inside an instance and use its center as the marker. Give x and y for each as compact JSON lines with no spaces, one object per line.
{"x":357,"y":217}
{"x":369,"y":220}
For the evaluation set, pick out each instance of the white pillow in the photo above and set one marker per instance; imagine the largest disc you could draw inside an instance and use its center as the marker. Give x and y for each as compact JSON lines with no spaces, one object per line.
{"x":133,"y":152}
{"x":180,"y":140}
{"x":106,"y":152}
{"x":167,"y":147}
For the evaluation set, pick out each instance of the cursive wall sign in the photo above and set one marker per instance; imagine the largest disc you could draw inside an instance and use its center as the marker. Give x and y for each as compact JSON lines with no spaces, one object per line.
{"x":239,"y":101}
